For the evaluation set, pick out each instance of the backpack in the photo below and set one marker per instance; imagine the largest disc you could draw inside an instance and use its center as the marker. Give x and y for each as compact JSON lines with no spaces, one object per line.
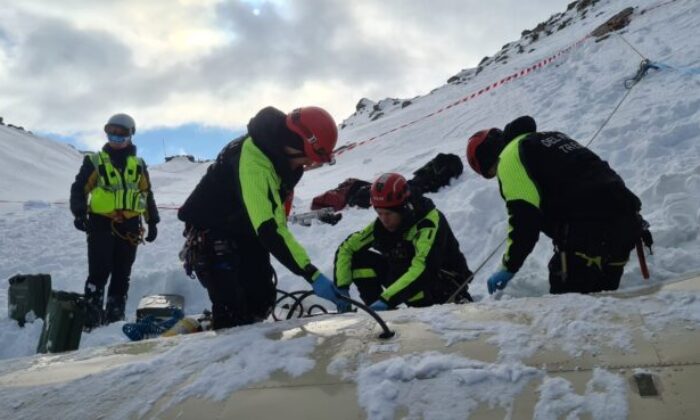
{"x":436,"y":174}
{"x":341,"y":196}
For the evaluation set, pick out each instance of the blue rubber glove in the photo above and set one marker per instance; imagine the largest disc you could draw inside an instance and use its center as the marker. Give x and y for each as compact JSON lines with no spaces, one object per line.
{"x":343,"y":305}
{"x":325,"y":288}
{"x":499,"y":280}
{"x":379,"y":305}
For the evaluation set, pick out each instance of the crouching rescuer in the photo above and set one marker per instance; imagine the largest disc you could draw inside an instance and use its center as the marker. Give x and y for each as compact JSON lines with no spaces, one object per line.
{"x":235,"y":217}
{"x":111,"y":193}
{"x":553,"y":184}
{"x":407,"y":255}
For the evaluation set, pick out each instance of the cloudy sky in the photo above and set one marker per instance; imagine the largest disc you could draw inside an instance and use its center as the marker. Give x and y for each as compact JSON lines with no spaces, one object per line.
{"x":193,"y":72}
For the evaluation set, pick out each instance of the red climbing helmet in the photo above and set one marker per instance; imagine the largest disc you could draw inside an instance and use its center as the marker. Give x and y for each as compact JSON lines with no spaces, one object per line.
{"x":389,"y":190}
{"x":483,"y":149}
{"x":318,"y":130}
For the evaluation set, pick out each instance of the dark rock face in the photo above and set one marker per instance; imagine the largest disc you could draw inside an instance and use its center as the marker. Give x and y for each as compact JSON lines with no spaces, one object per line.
{"x":615,"y":23}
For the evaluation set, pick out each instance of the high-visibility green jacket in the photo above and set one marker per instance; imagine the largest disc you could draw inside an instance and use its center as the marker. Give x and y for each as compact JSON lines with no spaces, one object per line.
{"x":243,"y":193}
{"x":415,"y":255}
{"x":114,"y":184}
{"x":259,"y":188}
{"x":116,"y":189}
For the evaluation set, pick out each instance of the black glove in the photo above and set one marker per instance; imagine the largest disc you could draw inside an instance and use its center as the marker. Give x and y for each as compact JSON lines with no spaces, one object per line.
{"x":331,"y":219}
{"x":152,"y":232}
{"x":80,"y":223}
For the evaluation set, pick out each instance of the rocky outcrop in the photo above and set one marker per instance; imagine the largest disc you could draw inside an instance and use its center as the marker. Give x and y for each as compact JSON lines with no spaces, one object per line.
{"x":615,"y":23}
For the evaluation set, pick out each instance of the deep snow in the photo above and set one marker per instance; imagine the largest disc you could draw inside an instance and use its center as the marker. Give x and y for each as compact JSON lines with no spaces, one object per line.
{"x":653,"y":141}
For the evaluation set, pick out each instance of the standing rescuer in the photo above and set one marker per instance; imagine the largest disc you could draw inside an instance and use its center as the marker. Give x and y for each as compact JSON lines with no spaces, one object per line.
{"x":235,"y":217}
{"x":110,"y":194}
{"x":407,"y":255}
{"x":554,"y":185}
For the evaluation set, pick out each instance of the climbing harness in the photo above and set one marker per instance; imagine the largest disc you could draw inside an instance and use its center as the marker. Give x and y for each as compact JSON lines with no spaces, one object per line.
{"x":133,"y":238}
{"x":192,"y":250}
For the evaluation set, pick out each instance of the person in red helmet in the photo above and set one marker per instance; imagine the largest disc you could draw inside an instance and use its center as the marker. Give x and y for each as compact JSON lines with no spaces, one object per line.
{"x":554,"y":185}
{"x":235,"y":217}
{"x":407,"y":255}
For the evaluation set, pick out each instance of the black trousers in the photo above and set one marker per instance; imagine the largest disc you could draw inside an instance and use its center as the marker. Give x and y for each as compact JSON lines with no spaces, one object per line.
{"x":591,"y":256}
{"x":238,"y":277}
{"x":372,"y":274}
{"x":109,"y":255}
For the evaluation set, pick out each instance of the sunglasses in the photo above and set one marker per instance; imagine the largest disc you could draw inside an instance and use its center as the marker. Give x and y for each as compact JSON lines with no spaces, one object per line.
{"x":117,"y":130}
{"x":113,"y":138}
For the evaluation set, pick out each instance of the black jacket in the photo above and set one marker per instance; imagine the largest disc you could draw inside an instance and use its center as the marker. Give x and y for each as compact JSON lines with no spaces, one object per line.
{"x":219,"y":201}
{"x":417,"y":253}
{"x":549,"y":180}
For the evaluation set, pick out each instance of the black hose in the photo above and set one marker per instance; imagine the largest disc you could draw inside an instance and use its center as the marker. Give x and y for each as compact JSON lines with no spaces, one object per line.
{"x":297,"y":303}
{"x":387,"y":333}
{"x":304,"y":294}
{"x":322,"y":310}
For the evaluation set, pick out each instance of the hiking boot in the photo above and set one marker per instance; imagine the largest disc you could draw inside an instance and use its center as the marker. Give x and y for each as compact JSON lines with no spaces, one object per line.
{"x":94,"y":314}
{"x":115,"y":309}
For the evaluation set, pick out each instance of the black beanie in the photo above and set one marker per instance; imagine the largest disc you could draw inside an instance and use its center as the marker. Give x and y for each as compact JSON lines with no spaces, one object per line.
{"x":269,"y":130}
{"x":487,"y":153}
{"x":521,"y":125}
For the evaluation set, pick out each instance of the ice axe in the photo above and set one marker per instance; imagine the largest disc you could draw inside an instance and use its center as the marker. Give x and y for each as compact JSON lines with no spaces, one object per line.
{"x":648,"y":240}
{"x":642,"y":259}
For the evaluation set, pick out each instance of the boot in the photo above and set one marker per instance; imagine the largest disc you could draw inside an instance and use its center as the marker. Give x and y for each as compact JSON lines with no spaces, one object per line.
{"x":94,"y":314}
{"x":115,"y":309}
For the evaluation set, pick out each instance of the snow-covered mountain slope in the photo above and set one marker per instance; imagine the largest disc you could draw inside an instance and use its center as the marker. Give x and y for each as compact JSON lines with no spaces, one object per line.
{"x":34,"y":168}
{"x":650,"y":134}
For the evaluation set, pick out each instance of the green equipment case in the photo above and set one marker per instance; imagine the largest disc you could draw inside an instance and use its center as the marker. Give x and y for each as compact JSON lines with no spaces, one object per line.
{"x":65,"y":316}
{"x":28,"y":296}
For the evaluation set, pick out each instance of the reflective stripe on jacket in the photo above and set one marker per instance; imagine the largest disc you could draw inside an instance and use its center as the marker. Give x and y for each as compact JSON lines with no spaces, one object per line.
{"x":260,"y":186}
{"x":115,"y":190}
{"x":410,"y":284}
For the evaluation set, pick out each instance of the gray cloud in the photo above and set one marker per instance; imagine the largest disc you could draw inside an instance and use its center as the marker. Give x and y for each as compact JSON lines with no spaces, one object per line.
{"x":66,"y":77}
{"x":272,"y":48}
{"x":56,"y":46}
